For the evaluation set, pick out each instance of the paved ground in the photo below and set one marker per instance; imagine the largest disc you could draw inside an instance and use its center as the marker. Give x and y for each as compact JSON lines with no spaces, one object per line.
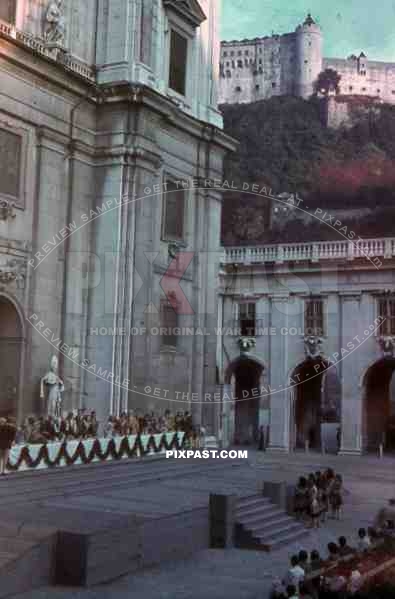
{"x":237,"y":574}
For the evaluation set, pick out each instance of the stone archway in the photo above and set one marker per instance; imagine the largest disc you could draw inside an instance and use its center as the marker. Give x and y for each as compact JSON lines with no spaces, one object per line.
{"x":316,"y":405}
{"x":245,"y":373}
{"x":11,"y":349}
{"x":378,"y":412}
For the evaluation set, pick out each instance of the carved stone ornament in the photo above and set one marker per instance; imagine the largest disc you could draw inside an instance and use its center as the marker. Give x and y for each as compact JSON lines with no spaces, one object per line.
{"x":7,"y":210}
{"x":246,"y":344}
{"x":387,"y":346}
{"x":54,"y":23}
{"x":313,"y":346}
{"x":173,"y":248}
{"x":13,"y":270}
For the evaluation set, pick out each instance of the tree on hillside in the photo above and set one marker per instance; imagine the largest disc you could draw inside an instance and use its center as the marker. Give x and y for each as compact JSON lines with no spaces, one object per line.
{"x":327,"y":81}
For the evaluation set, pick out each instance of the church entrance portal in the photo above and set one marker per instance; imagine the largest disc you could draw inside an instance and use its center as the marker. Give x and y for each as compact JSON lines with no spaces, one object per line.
{"x":378,"y":416}
{"x":10,"y":357}
{"x":247,"y":374}
{"x":315,"y":400}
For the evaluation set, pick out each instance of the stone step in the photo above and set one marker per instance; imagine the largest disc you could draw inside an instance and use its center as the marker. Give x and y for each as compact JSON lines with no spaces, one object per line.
{"x":251,"y":501}
{"x":272,"y":544}
{"x":242,"y":514}
{"x":266,"y":526}
{"x":276,"y":532}
{"x":266,"y":516}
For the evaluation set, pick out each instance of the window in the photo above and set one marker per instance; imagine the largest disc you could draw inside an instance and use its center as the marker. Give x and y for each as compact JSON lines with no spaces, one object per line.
{"x":173,"y":210}
{"x":257,"y":87}
{"x":178,"y":62}
{"x":393,"y":92}
{"x":350,"y":88}
{"x":168,"y":324}
{"x":273,"y":84}
{"x":378,"y":91}
{"x":10,"y":161}
{"x":240,"y":64}
{"x":8,"y":11}
{"x":238,"y":89}
{"x":225,"y":54}
{"x":306,"y":61}
{"x":247,"y":319}
{"x":146,"y":31}
{"x":239,"y":53}
{"x":232,"y":53}
{"x":260,"y":61}
{"x":314,"y":316}
{"x":364,"y":89}
{"x":246,"y":52}
{"x":387,"y":312}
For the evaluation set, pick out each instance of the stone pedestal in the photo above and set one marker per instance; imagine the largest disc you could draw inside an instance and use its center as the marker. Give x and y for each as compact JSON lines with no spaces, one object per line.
{"x":222,"y":520}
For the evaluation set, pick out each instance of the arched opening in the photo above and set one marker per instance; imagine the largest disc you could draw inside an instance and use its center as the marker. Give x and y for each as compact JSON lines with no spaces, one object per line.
{"x":316,"y":405}
{"x":378,"y":417}
{"x":11,"y":338}
{"x":246,"y":374}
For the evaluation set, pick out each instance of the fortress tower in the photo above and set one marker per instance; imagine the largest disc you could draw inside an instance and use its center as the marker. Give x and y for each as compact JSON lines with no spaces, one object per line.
{"x":308,"y":56}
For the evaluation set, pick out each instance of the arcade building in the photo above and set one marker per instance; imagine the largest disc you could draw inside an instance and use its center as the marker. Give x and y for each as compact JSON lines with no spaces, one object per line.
{"x":307,"y":353}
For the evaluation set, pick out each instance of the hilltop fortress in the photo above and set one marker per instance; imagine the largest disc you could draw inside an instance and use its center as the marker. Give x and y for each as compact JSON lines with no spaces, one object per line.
{"x":289,"y":64}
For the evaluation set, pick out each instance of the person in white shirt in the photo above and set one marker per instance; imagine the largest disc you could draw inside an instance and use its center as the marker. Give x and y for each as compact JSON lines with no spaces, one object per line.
{"x":364,"y":542}
{"x":295,"y":574}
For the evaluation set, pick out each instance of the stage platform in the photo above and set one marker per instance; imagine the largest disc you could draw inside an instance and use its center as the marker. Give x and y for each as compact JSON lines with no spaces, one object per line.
{"x":105,"y":520}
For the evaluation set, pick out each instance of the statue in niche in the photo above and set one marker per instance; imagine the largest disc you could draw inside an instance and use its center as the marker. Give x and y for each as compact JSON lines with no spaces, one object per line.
{"x":51,"y":389}
{"x":55,"y":25}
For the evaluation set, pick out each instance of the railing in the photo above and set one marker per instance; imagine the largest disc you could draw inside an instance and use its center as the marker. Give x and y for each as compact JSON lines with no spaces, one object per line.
{"x":314,"y":251}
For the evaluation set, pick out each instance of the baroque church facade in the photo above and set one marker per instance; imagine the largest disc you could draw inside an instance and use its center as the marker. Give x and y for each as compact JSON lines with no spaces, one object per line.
{"x":108,"y":114}
{"x":289,"y":64}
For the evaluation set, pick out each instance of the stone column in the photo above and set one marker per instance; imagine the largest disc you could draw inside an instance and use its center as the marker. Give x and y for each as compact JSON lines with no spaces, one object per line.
{"x":278,"y":359}
{"x":226,"y":412}
{"x":355,"y":319}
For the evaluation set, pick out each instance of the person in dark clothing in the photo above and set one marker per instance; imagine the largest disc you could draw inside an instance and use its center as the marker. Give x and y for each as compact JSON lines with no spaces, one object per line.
{"x":344,"y":548}
{"x":7,"y":438}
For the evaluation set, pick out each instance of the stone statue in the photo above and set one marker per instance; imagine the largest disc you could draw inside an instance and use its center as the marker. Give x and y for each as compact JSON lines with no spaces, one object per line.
{"x":246,"y":344}
{"x":55,"y":26}
{"x":55,"y":388}
{"x":313,"y":346}
{"x":387,"y":346}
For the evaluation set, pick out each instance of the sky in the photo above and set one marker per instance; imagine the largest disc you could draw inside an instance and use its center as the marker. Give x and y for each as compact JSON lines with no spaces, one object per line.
{"x":349,"y":26}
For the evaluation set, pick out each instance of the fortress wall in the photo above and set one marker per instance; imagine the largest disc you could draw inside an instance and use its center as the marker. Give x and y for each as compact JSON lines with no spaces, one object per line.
{"x":256,"y":69}
{"x":260,"y":68}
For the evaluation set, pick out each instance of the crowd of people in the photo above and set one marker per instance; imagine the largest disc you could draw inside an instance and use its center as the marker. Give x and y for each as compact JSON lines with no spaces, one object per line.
{"x":300,"y":581}
{"x":318,"y":496}
{"x":134,"y":423}
{"x":83,"y":424}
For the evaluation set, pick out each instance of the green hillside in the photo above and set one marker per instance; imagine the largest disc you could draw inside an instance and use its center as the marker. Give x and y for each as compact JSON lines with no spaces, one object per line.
{"x":285,"y":145}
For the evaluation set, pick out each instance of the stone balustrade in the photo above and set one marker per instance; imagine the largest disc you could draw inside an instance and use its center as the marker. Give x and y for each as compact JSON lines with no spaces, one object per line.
{"x":310,"y":251}
{"x":55,"y":53}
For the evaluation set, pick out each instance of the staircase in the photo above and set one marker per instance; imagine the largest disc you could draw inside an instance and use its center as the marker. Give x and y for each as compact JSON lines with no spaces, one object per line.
{"x":261,"y":525}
